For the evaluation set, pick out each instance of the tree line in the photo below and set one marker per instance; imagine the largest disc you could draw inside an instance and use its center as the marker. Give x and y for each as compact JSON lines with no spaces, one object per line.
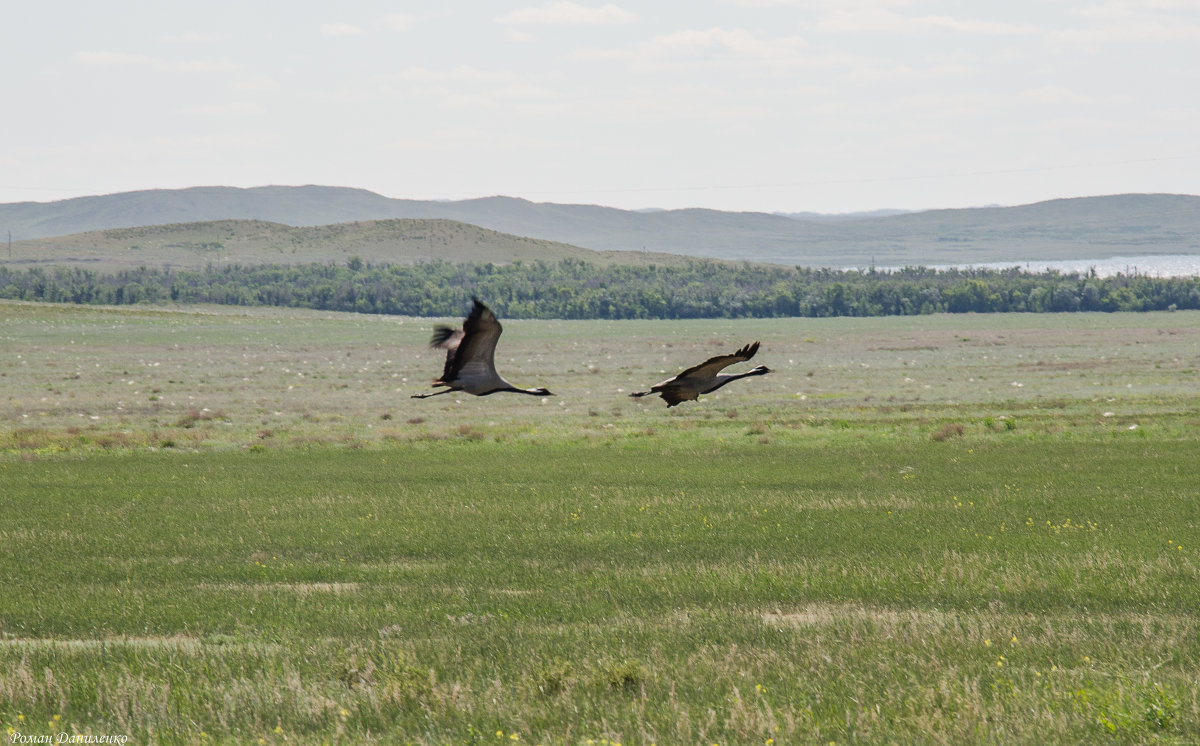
{"x":574,"y":289}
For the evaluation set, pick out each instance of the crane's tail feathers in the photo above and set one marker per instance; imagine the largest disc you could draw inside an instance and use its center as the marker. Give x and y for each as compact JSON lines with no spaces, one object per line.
{"x":641,"y":393}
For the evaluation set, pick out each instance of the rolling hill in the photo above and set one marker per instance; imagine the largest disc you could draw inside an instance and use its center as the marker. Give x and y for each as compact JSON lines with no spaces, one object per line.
{"x":395,"y":241}
{"x":1080,"y":228}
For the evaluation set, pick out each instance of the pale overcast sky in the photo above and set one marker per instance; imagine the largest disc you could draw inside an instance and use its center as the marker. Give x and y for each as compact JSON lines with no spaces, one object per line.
{"x":770,"y":105}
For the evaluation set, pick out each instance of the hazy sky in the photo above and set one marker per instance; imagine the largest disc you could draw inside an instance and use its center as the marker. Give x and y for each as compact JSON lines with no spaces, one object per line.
{"x":771,"y":105}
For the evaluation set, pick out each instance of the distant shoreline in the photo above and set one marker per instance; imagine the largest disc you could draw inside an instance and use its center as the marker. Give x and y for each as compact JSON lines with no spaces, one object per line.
{"x":1153,"y":265}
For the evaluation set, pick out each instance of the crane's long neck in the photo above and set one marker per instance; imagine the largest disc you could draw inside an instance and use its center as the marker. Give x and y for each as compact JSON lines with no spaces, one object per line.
{"x":725,"y":378}
{"x":513,"y":389}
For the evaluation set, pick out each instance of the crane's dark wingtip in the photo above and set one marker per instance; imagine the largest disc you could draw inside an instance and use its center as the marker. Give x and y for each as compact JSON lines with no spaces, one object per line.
{"x":478,"y":308}
{"x":748,"y":351}
{"x":441,"y":333}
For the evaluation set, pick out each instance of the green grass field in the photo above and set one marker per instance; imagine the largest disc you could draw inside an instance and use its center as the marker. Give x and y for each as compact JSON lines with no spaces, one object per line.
{"x":234,"y":526}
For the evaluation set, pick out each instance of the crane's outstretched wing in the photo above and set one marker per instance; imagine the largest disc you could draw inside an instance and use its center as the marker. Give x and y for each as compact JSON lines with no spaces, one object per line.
{"x":474,"y":356}
{"x":448,"y":339}
{"x":714,"y":365}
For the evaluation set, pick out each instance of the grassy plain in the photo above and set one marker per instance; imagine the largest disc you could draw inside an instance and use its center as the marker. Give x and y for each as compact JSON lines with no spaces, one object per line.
{"x":230,"y":525}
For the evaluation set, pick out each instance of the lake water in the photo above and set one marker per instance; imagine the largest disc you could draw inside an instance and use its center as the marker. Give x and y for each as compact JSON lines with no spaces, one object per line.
{"x":1161,"y":265}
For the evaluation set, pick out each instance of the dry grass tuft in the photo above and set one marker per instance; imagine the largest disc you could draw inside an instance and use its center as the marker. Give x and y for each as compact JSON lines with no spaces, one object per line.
{"x":952,"y":430}
{"x":195,"y":416}
{"x":470,"y":432}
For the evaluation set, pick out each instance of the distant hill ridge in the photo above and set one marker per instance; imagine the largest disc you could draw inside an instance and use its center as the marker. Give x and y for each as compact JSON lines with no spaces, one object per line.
{"x":1077,"y":228}
{"x":255,"y":242}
